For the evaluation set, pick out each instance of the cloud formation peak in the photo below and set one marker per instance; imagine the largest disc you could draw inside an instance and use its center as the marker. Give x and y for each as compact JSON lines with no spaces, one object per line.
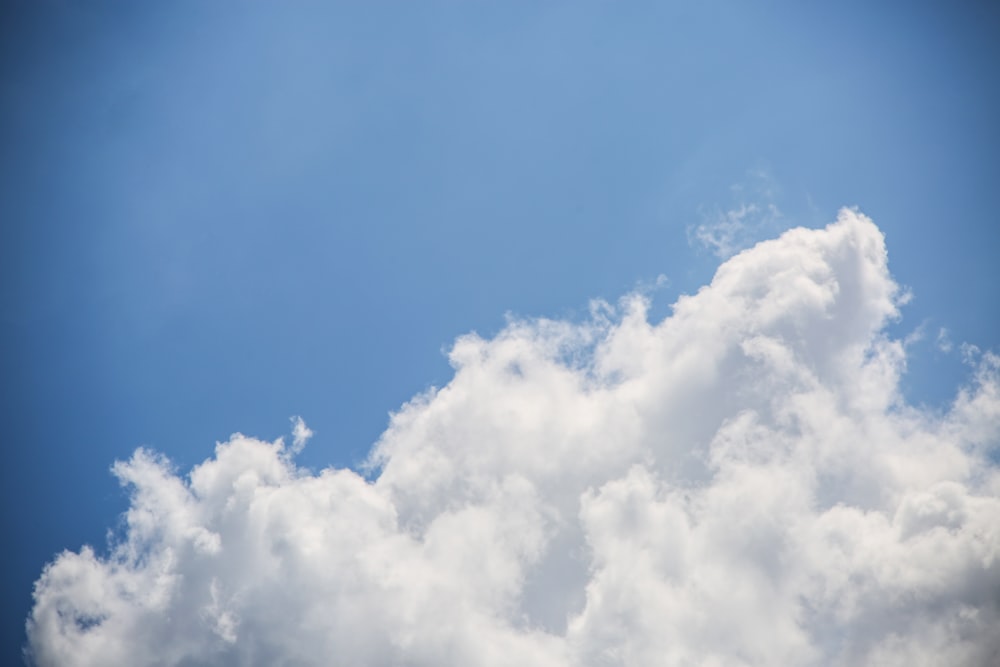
{"x":739,"y":484}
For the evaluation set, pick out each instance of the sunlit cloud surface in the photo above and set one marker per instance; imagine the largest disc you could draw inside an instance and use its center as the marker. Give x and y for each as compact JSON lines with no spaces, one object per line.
{"x":741,"y":483}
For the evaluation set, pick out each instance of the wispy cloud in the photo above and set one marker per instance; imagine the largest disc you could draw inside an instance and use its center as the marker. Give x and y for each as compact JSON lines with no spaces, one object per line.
{"x":944,"y":340}
{"x":740,"y":483}
{"x":750,"y":216}
{"x":300,"y":434}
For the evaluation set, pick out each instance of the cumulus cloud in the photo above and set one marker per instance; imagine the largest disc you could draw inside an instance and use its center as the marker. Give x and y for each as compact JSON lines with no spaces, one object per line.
{"x":741,"y":483}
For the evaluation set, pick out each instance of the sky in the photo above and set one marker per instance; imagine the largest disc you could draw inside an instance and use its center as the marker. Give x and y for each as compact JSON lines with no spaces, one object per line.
{"x":595,"y":333}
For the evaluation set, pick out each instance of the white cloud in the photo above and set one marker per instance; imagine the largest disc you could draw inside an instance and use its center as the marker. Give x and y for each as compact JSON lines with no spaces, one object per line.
{"x":728,"y":232}
{"x":739,"y":484}
{"x":752,"y":216}
{"x":300,"y":434}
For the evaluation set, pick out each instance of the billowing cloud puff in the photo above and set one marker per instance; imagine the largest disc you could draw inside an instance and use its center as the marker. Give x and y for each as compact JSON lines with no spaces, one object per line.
{"x":739,"y":484}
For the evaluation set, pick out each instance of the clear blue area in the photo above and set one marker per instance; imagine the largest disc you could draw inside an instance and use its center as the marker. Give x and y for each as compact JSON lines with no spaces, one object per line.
{"x":214,"y":216}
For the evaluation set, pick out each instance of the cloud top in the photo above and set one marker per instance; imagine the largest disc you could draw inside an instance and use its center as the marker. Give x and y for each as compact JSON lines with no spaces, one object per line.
{"x":738,"y":484}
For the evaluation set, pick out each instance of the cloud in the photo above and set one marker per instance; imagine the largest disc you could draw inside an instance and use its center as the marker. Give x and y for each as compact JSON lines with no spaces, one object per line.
{"x":741,"y":483}
{"x":944,"y":340}
{"x":752,"y":216}
{"x":300,"y":434}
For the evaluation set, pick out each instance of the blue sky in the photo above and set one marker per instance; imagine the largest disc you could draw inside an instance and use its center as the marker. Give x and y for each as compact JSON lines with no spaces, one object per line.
{"x":214,"y":216}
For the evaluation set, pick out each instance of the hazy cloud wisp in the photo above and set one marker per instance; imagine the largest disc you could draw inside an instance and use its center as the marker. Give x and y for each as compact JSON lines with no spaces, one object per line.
{"x":752,"y":216}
